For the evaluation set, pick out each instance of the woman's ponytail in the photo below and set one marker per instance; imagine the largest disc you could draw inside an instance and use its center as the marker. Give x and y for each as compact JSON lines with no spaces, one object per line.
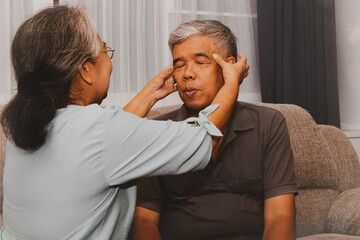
{"x":25,"y":119}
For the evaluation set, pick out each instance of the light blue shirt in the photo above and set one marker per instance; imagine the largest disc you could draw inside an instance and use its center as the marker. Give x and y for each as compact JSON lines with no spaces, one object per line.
{"x":68,"y":189}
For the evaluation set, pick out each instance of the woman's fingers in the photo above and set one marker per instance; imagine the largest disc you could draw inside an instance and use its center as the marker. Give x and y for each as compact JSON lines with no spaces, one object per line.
{"x":159,"y":80}
{"x":245,"y":70}
{"x":242,"y":57}
{"x":219,"y":60}
{"x":170,"y":84}
{"x":233,"y":72}
{"x":164,"y":84}
{"x":166,"y":72}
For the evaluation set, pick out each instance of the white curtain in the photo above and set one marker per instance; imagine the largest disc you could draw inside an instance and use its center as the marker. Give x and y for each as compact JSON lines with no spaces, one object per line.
{"x":138,"y":30}
{"x":12,"y":14}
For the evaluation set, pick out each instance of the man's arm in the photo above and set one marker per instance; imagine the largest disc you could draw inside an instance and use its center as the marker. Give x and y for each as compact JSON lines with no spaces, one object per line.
{"x":145,"y":224}
{"x":279,"y":217}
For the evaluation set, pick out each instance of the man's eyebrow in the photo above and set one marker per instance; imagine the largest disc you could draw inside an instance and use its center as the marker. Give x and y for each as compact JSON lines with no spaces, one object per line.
{"x":201,"y":54}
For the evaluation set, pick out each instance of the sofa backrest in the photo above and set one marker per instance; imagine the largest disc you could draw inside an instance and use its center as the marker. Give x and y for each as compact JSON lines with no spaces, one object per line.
{"x":325,"y":165}
{"x":345,"y":157}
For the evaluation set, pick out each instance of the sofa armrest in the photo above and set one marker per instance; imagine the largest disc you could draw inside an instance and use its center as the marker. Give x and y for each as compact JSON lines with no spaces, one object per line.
{"x":344,"y":214}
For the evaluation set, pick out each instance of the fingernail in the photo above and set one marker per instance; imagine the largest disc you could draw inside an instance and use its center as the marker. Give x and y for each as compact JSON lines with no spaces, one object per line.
{"x":215,"y":55}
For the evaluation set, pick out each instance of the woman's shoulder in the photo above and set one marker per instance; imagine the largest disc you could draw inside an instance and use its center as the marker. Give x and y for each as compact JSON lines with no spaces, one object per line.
{"x":84,"y":116}
{"x":92,"y":111}
{"x":88,"y":118}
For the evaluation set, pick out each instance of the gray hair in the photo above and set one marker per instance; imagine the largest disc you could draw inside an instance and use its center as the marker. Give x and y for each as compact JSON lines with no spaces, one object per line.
{"x":47,"y":51}
{"x":59,"y":39}
{"x":224,"y":39}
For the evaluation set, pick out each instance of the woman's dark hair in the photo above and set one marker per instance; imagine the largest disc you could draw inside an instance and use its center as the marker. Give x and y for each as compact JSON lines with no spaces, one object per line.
{"x":46,"y":53}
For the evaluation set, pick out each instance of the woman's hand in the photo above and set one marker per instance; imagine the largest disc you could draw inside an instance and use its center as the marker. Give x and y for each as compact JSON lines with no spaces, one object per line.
{"x":156,"y":89}
{"x":163,"y":84}
{"x":233,"y":72}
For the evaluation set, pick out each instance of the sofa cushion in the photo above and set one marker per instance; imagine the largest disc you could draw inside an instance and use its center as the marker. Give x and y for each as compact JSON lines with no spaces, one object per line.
{"x":312,"y":206}
{"x":345,"y":157}
{"x":344,"y":214}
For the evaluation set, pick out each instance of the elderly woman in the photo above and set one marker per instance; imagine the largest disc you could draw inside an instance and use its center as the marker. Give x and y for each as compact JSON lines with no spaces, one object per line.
{"x":69,"y":161}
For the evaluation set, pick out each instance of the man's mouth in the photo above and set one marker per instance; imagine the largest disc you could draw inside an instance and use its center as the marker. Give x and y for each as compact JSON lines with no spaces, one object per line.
{"x":190,"y":92}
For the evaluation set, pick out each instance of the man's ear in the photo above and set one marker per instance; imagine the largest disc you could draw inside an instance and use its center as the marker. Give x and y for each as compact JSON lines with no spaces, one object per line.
{"x":85,"y":72}
{"x":231,"y":60}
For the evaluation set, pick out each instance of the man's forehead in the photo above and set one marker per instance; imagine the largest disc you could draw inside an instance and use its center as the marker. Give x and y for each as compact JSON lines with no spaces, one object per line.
{"x":197,"y":45}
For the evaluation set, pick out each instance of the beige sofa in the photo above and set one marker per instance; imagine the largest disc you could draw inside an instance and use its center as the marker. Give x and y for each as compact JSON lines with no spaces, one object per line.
{"x":328,"y":176}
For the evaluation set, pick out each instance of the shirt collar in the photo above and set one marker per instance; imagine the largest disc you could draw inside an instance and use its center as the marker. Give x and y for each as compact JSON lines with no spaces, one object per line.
{"x":182,"y":113}
{"x":240,"y":119}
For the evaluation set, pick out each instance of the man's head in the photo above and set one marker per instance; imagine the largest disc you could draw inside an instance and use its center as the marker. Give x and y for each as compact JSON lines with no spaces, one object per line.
{"x":198,"y":76}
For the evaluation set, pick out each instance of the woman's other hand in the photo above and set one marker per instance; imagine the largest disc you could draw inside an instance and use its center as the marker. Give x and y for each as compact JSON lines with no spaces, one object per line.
{"x":233,"y":71}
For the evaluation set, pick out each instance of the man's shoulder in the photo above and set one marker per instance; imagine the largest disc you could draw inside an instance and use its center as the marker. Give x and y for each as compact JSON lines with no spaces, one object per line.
{"x":258,"y":110}
{"x":169,"y":116}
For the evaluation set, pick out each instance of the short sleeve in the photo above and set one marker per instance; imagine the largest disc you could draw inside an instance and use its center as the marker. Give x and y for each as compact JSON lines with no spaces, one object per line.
{"x":150,"y":194}
{"x":279,"y":176}
{"x":134,"y":147}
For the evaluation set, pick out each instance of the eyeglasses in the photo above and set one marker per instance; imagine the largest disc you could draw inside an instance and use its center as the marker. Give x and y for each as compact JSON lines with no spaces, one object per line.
{"x":109,"y":51}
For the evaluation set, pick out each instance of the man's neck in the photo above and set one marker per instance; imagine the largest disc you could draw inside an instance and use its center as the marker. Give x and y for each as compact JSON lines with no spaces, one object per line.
{"x":192,"y":112}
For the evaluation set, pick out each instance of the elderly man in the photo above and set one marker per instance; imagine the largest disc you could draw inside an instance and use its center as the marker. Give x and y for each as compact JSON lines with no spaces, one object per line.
{"x":248,"y":191}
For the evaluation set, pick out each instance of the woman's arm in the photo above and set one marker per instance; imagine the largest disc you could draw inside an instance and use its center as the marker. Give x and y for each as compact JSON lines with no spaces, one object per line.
{"x":226,"y":97}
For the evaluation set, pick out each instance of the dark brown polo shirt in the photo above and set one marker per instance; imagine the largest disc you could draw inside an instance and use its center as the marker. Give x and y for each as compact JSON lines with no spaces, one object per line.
{"x":226,"y":199}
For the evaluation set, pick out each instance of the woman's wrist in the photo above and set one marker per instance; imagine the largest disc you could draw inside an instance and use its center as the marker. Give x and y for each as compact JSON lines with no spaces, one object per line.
{"x":141,"y":104}
{"x":150,"y":95}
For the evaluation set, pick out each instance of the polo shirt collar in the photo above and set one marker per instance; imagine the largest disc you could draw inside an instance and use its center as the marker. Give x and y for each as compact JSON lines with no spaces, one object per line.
{"x":182,"y":113}
{"x":240,"y":119}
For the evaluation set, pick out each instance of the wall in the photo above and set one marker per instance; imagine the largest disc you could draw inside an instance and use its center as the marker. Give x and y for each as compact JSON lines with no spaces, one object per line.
{"x":348,"y":56}
{"x":354,"y":137}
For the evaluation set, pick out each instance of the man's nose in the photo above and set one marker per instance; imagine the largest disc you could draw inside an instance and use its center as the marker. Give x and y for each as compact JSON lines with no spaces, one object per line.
{"x":189,"y":73}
